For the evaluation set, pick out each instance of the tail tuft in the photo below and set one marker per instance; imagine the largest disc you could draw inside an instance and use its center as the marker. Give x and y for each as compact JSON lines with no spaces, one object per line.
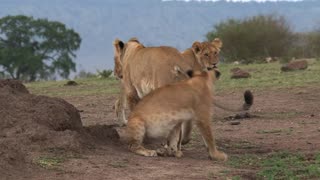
{"x":190,"y":73}
{"x":248,"y":99}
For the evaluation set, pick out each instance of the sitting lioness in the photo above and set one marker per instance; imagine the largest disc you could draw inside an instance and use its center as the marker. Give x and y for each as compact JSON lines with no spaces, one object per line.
{"x":161,"y":113}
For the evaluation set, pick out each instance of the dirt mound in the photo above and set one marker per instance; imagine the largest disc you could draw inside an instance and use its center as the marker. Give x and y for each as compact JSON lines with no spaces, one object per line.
{"x":237,"y":73}
{"x":71,"y":83}
{"x":295,"y":65}
{"x":30,"y":124}
{"x":14,"y":85}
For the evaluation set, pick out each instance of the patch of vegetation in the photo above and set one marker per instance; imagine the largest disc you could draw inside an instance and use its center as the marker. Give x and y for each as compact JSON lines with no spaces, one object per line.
{"x":49,"y":162}
{"x":119,"y":164}
{"x":267,"y":76}
{"x":290,"y":166}
{"x":281,"y":165}
{"x":275,"y":131}
{"x":87,"y":86}
{"x":104,"y":73}
{"x":263,"y":76}
{"x":236,"y":178}
{"x":245,"y":160}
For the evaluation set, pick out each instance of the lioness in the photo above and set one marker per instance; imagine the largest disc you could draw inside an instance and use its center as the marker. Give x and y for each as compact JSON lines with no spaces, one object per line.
{"x":144,"y":69}
{"x":153,"y":67}
{"x":161,"y":113}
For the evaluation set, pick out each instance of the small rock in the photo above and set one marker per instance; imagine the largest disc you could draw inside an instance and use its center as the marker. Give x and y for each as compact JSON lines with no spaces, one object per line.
{"x":234,"y":122}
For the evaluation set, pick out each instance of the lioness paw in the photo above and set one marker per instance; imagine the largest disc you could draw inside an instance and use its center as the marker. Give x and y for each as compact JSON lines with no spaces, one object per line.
{"x":219,"y":156}
{"x":178,"y":154}
{"x":162,"y":152}
{"x":150,"y":153}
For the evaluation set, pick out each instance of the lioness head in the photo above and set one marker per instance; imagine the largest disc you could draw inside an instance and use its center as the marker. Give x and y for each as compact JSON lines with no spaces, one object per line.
{"x":119,"y":50}
{"x":207,"y":53}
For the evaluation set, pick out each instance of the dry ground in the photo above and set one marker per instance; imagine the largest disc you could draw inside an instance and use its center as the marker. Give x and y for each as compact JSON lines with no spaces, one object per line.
{"x":288,"y":120}
{"x":282,"y":141}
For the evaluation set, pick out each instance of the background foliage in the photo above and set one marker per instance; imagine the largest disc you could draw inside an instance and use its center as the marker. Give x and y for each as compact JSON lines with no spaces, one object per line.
{"x":32,"y":49}
{"x":255,"y":38}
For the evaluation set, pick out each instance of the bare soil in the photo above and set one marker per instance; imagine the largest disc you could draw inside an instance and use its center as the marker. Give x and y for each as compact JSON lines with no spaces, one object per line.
{"x":37,"y":126}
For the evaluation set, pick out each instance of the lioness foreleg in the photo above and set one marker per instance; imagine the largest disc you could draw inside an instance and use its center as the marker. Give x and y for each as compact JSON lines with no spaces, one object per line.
{"x":204,"y":126}
{"x":186,"y":131}
{"x":173,"y":147}
{"x":120,"y":106}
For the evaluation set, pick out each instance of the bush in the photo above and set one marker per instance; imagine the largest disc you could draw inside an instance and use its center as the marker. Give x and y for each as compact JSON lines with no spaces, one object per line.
{"x":104,"y":73}
{"x":83,"y":74}
{"x":254,"y":38}
{"x":306,"y":45}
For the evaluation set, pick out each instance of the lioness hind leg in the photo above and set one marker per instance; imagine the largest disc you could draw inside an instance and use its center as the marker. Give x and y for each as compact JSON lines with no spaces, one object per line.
{"x":136,"y":131}
{"x":186,"y":132}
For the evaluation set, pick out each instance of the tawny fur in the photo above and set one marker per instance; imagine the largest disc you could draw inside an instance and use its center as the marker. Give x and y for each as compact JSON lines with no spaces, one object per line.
{"x":161,"y":113}
{"x":144,"y":69}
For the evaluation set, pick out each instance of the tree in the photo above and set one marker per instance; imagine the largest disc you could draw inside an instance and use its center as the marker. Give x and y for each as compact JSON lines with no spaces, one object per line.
{"x":253,"y":38}
{"x":32,"y":49}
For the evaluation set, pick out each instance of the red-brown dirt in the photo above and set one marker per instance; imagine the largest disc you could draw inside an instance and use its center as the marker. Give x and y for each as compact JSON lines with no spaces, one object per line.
{"x":31,"y":124}
{"x":34,"y":126}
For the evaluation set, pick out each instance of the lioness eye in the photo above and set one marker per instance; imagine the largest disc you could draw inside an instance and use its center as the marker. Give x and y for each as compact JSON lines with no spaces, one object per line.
{"x":206,"y":54}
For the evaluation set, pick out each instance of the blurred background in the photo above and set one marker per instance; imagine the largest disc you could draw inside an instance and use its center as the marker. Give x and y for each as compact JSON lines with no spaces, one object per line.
{"x":256,"y":29}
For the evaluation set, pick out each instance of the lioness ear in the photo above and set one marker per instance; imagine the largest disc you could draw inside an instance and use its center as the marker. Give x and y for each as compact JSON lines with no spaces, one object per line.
{"x":196,"y":47}
{"x":217,"y":43}
{"x":134,"y":39}
{"x":118,"y":45}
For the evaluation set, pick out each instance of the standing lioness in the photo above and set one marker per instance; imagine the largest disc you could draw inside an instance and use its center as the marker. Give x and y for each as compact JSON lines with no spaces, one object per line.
{"x":161,"y":113}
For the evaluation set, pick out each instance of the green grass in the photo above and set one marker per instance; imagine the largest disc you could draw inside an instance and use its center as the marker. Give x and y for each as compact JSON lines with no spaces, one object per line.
{"x":49,"y":162}
{"x":268,"y":76}
{"x":119,"y":164}
{"x":280,"y":165}
{"x":263,"y":76}
{"x":89,"y":86}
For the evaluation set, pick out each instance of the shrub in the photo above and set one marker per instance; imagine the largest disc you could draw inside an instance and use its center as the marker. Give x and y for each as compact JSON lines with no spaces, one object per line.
{"x":254,"y":38}
{"x":83,"y":74}
{"x":104,"y":73}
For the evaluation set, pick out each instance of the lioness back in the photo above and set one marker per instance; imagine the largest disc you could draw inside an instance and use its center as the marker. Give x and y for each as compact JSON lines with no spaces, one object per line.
{"x":152,"y":67}
{"x":156,"y":64}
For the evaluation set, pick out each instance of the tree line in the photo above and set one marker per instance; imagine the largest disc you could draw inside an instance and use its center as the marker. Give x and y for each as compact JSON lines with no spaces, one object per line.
{"x":33,"y":49}
{"x":255,"y":38}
